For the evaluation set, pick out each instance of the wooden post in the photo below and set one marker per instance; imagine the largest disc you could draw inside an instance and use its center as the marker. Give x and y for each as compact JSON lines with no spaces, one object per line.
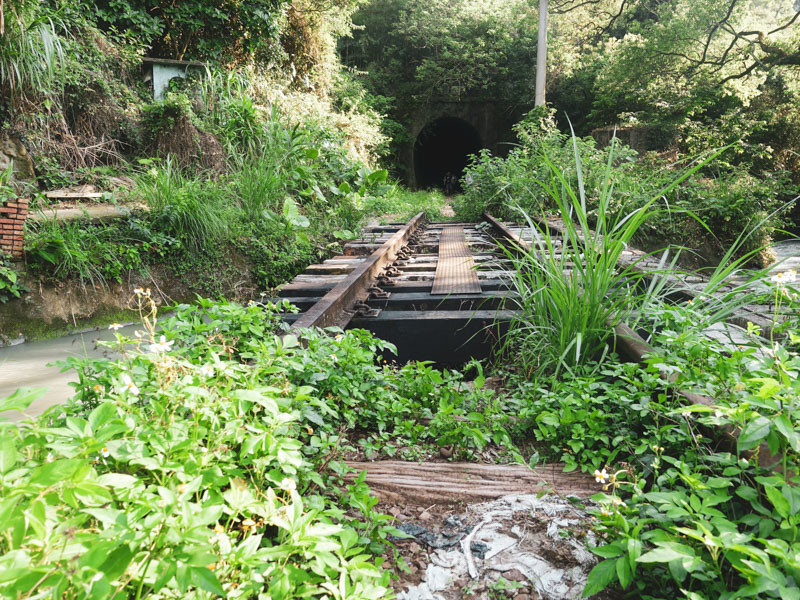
{"x":541,"y":54}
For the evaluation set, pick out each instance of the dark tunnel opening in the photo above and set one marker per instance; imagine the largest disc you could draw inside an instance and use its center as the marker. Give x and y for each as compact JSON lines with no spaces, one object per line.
{"x":443,"y":146}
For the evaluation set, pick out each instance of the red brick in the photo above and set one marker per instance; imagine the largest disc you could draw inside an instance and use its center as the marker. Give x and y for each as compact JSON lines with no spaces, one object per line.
{"x":23,"y":201}
{"x":7,"y":221}
{"x":8,"y":211}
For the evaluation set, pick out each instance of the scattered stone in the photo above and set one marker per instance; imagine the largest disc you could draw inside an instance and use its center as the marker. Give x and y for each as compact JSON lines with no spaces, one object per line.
{"x":517,"y":537}
{"x":13,"y":151}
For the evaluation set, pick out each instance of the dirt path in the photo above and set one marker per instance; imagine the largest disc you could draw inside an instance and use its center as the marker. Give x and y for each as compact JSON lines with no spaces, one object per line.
{"x":447,"y":209}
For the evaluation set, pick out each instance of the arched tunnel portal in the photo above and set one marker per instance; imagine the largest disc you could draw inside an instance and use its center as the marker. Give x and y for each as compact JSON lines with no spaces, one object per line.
{"x":443,"y":146}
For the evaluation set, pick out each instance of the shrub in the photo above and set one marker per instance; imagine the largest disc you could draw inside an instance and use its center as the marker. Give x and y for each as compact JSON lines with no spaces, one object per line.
{"x":193,"y":210}
{"x":717,"y":203}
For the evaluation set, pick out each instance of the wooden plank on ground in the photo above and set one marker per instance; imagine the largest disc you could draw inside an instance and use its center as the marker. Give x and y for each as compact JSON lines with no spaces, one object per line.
{"x":446,"y":482}
{"x":74,"y":195}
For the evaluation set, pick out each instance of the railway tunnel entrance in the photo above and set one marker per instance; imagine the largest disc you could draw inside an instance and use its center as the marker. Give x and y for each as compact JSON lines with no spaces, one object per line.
{"x":443,"y":146}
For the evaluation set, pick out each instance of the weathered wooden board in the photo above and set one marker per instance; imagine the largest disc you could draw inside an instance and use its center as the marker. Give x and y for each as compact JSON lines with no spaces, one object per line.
{"x":438,"y":483}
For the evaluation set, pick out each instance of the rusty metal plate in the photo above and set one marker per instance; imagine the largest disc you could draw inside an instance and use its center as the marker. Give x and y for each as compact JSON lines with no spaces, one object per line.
{"x":455,"y":271}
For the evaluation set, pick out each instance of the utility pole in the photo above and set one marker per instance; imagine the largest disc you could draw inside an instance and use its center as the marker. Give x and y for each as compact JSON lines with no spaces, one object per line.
{"x":541,"y":54}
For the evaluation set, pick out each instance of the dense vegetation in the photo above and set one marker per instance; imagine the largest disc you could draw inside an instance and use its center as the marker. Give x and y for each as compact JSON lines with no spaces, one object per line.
{"x":239,"y":160}
{"x":685,"y":80}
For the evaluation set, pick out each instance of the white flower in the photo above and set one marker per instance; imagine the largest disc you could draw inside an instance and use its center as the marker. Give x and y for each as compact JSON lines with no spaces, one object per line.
{"x":206,"y":371}
{"x":785,"y":277}
{"x":338,"y":337}
{"x":333,"y":357}
{"x":605,"y":512}
{"x":115,"y":326}
{"x":162,"y":345}
{"x":288,"y":484}
{"x":128,"y":384}
{"x":600,"y":476}
{"x":104,"y":452}
{"x":138,"y":291}
{"x":616,"y":501}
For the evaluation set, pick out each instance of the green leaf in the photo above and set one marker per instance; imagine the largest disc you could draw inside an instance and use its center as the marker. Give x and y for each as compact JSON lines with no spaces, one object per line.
{"x":624,"y":571}
{"x":8,"y":453}
{"x":609,"y":551}
{"x":59,"y":470}
{"x":753,"y":433}
{"x":600,"y":577}
{"x":747,"y":493}
{"x":117,"y":562}
{"x":778,"y":500}
{"x":117,"y":480}
{"x":205,"y":580}
{"x":21,"y":399}
{"x":101,"y":415}
{"x":784,"y":426}
{"x":666,"y":552}
{"x":378,"y":176}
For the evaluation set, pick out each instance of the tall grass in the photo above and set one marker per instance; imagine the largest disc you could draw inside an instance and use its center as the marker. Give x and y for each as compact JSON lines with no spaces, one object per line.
{"x":31,"y":52}
{"x":190,"y":209}
{"x":264,"y":173}
{"x":67,"y":246}
{"x":569,"y":289}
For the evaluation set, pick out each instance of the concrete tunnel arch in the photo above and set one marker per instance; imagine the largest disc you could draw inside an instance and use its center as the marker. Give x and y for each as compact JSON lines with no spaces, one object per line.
{"x":444,"y":145}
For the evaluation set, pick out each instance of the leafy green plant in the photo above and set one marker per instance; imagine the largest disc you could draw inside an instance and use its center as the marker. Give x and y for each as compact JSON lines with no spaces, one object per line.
{"x":719,"y":520}
{"x":32,"y":52}
{"x":162,"y":115}
{"x":61,"y":244}
{"x":569,"y":290}
{"x":10,"y":286}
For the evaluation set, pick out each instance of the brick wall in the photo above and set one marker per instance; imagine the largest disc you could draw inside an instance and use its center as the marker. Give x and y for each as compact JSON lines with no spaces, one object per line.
{"x":12,"y":221}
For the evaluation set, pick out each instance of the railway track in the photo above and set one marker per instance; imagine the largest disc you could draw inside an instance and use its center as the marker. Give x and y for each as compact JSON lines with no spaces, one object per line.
{"x":437,"y":291}
{"x":440,"y":292}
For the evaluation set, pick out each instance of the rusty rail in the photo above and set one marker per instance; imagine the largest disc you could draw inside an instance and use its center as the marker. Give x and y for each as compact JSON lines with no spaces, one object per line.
{"x":332,"y":309}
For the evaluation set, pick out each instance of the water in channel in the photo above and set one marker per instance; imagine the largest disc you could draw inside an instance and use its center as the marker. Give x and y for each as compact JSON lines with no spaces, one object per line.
{"x":31,"y":365}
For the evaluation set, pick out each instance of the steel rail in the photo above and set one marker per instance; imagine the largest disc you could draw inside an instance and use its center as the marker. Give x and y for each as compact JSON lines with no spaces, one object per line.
{"x":333,"y":308}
